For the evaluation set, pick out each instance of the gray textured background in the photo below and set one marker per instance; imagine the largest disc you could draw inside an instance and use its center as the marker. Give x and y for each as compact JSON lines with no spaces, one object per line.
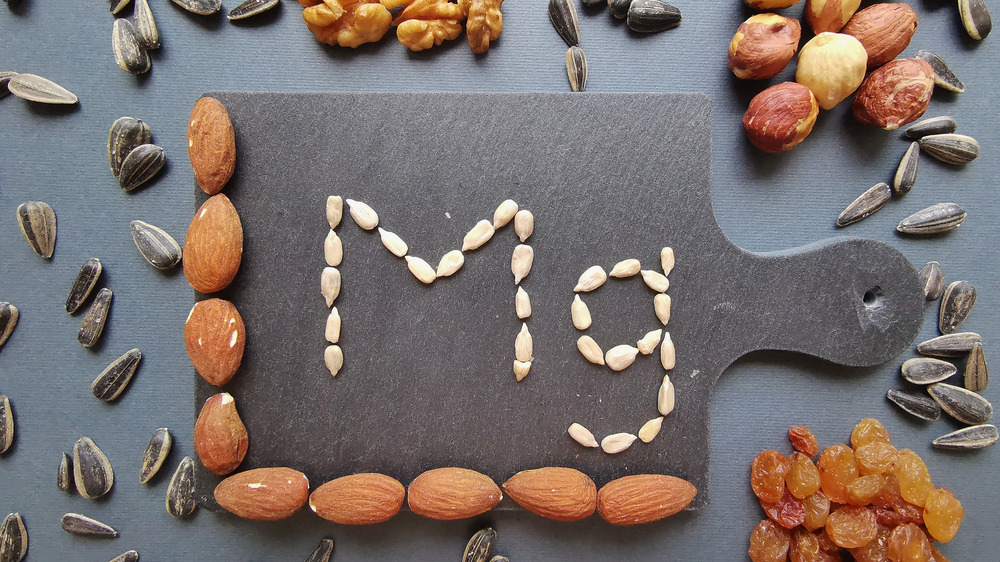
{"x":762,"y":202}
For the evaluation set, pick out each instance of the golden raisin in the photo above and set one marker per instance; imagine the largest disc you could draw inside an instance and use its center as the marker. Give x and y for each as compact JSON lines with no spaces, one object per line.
{"x":803,"y":476}
{"x":806,"y":548}
{"x":837,"y":470}
{"x":914,"y":480}
{"x":817,"y":508}
{"x":851,"y":526}
{"x":876,"y":457}
{"x":908,"y":543}
{"x":864,"y":489}
{"x":868,"y":431}
{"x":908,"y":512}
{"x":943,"y":514}
{"x":877,"y":550}
{"x":769,"y":542}
{"x":787,"y":512}
{"x":825,"y":543}
{"x":888,"y":494}
{"x":803,"y":440}
{"x":767,"y":475}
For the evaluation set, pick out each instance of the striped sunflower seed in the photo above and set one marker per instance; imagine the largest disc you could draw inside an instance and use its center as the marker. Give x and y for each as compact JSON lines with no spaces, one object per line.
{"x":250,"y":8}
{"x":932,"y":279}
{"x":625,"y":268}
{"x":933,"y":126}
{"x":521,"y":369}
{"x":13,"y":538}
{"x":976,"y":377}
{"x":949,"y":345}
{"x":667,"y":260}
{"x":113,"y":380}
{"x":951,"y":148}
{"x":591,"y":279}
{"x":421,"y":269}
{"x":129,"y":52}
{"x":925,"y":370}
{"x":6,"y":424}
{"x":504,"y":214}
{"x":576,"y":69}
{"x":906,"y":173}
{"x":522,"y":304}
{"x":362,"y":213}
{"x":651,"y":16}
{"x":661,"y":306}
{"x":650,"y":429}
{"x":333,"y":249}
{"x":956,"y":304}
{"x":118,"y":5}
{"x":92,"y":472}
{"x":619,"y":8}
{"x":83,"y":526}
{"x":180,"y":500}
{"x":322,"y":552}
{"x":655,"y":280}
{"x":156,"y":246}
{"x":392,"y":242}
{"x":668,"y":354}
{"x":126,"y":133}
{"x":963,"y":405}
{"x":127,"y":556}
{"x":499,"y":558}
{"x":478,"y":235}
{"x":943,"y":75}
{"x":564,"y":19}
{"x":619,"y":357}
{"x":332,"y":331}
{"x":5,"y":76}
{"x":330,"y":284}
{"x":582,"y":435}
{"x":665,"y":398}
{"x":64,"y":476}
{"x":480,"y":546}
{"x":580,"y":313}
{"x":975,"y":18}
{"x":649,"y":342}
{"x":523,"y":346}
{"x":141,"y":165}
{"x":334,"y":210}
{"x":145,"y":25}
{"x":450,"y":263}
{"x":520,"y":262}
{"x":333,"y":358}
{"x":590,"y":350}
{"x":200,"y":7}
{"x":866,"y":205}
{"x":84,"y":283}
{"x":93,"y":322}
{"x":41,"y":90}
{"x":8,"y":320}
{"x":524,"y":224}
{"x":155,"y":454}
{"x":616,"y":443}
{"x":968,"y":438}
{"x":943,"y":217}
{"x":916,"y":404}
{"x":38,"y":225}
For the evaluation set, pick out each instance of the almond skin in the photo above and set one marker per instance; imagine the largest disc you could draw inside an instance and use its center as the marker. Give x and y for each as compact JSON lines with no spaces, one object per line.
{"x":895,"y":94}
{"x":829,"y":15}
{"x":213,"y":247}
{"x":264,"y":494}
{"x":214,"y":336}
{"x":211,"y":145}
{"x":885,"y":31}
{"x":563,"y":494}
{"x":358,"y":499}
{"x":781,"y":117}
{"x":643,"y":498}
{"x":452,"y":493}
{"x":220,"y":438}
{"x":763,"y":45}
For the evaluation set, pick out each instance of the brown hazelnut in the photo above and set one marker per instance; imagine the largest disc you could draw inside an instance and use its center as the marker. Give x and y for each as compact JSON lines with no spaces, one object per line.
{"x":895,"y":94}
{"x":780,"y":117}
{"x":770,"y":4}
{"x":832,"y":65}
{"x":885,"y":31}
{"x":763,"y":45}
{"x":829,"y":15}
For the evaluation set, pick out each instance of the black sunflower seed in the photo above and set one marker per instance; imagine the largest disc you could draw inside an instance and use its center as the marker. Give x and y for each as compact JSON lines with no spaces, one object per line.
{"x":115,"y":377}
{"x":81,"y":525}
{"x":84,"y":283}
{"x":92,"y":472}
{"x":156,"y":452}
{"x":916,"y":404}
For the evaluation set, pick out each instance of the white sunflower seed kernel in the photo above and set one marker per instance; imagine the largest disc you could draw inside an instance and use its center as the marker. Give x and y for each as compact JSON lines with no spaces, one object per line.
{"x":625,"y":268}
{"x":582,"y":435}
{"x":667,"y":260}
{"x":649,"y":342}
{"x":333,"y":249}
{"x":590,"y":350}
{"x":591,"y":279}
{"x":665,"y":396}
{"x":661,"y":306}
{"x":333,"y":358}
{"x":334,"y":210}
{"x":668,"y":355}
{"x":421,"y":269}
{"x":333,"y":326}
{"x":580,"y":313}
{"x":655,"y":280}
{"x":524,"y":224}
{"x":520,"y":262}
{"x":616,"y":443}
{"x":478,"y":235}
{"x":393,"y":243}
{"x":522,"y":304}
{"x":450,"y":263}
{"x":504,"y":213}
{"x":364,"y":215}
{"x":521,"y":369}
{"x":650,"y":429}
{"x":523,"y":344}
{"x":620,"y":357}
{"x":330,"y":284}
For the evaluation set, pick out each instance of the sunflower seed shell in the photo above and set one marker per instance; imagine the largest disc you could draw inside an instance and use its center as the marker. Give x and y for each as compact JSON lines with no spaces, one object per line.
{"x":619,"y":8}
{"x":504,"y":214}
{"x":582,"y":435}
{"x":83,"y":526}
{"x":38,"y":225}
{"x":125,"y":134}
{"x":64,"y":476}
{"x":951,"y":148}
{"x":916,"y":404}
{"x":250,"y":8}
{"x":616,"y":443}
{"x":522,"y":304}
{"x":362,"y":213}
{"x":180,"y":493}
{"x":145,"y":25}
{"x":576,"y":69}
{"x":334,"y":210}
{"x":651,"y":16}
{"x":140,"y":166}
{"x":963,"y":405}
{"x":591,"y":279}
{"x":580,"y":313}
{"x":8,"y":320}
{"x":129,"y":52}
{"x":943,"y":75}
{"x":650,"y":429}
{"x":421,"y":269}
{"x":619,"y":357}
{"x":590,"y":350}
{"x":924,"y":370}
{"x":975,"y":18}
{"x":6,"y":424}
{"x":200,"y":7}
{"x":866,"y":205}
{"x":520,"y":262}
{"x":932,"y":279}
{"x":323,"y":551}
{"x":479,"y":235}
{"x":976,"y":377}
{"x":949,"y":345}
{"x":480,"y":546}
{"x":943,"y":217}
{"x":968,"y":438}
{"x":906,"y":173}
{"x":92,"y":472}
{"x":524,"y":224}
{"x":42,"y":90}
{"x":156,"y":246}
{"x":933,"y":126}
{"x":128,"y":556}
{"x":450,"y":263}
{"x":625,"y":268}
{"x":93,"y":322}
{"x":109,"y":385}
{"x":155,"y":454}
{"x":13,"y":538}
{"x":564,"y":19}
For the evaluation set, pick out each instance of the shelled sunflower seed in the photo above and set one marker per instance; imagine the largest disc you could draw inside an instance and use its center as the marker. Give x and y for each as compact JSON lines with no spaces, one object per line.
{"x":616,"y":443}
{"x":650,"y":341}
{"x":84,"y":283}
{"x":450,"y":263}
{"x":951,"y":148}
{"x":522,"y":304}
{"x":916,"y":404}
{"x":421,"y":269}
{"x":650,"y":429}
{"x":906,"y":173}
{"x":92,"y":472}
{"x":505,"y":213}
{"x":619,"y":357}
{"x":6,"y":425}
{"x":580,"y":313}
{"x":8,"y":321}
{"x":480,"y":234}
{"x":157,"y":247}
{"x":949,"y":345}
{"x":113,"y":380}
{"x":667,"y":260}
{"x":180,"y":499}
{"x":943,"y":217}
{"x":582,"y":435}
{"x":118,"y":5}
{"x":200,"y":7}
{"x":963,"y":405}
{"x":590,"y":350}
{"x":323,"y":551}
{"x":333,"y":249}
{"x":619,"y":8}
{"x":5,"y":76}
{"x":362,"y":213}
{"x":250,"y":8}
{"x":83,"y":526}
{"x":64,"y":476}
{"x":330,"y":284}
{"x":129,"y":52}
{"x":925,"y":370}
{"x":866,"y":205}
{"x":392,"y":242}
{"x":480,"y":546}
{"x":334,"y":210}
{"x":125,"y":134}
{"x":591,"y":279}
{"x":956,"y":304}
{"x":521,"y":369}
{"x":524,"y":224}
{"x":651,"y":16}
{"x":145,"y":25}
{"x":332,"y":331}
{"x":932,"y":280}
{"x":13,"y":538}
{"x":141,"y":165}
{"x":38,"y":225}
{"x":943,"y":75}
{"x":625,"y":268}
{"x":576,"y":68}
{"x":668,"y":354}
{"x":932,"y":126}
{"x":975,"y":18}
{"x":665,"y":396}
{"x":655,"y":280}
{"x":155,"y":454}
{"x":562,"y":13}
{"x":661,"y":306}
{"x":976,"y":378}
{"x":333,"y":358}
{"x":520,"y":262}
{"x":127,"y":556}
{"x":41,"y":90}
{"x":93,"y":322}
{"x":968,"y":438}
{"x":523,"y":346}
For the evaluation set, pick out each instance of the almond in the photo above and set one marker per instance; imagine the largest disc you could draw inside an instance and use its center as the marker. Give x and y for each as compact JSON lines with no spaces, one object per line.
{"x":643,"y":498}
{"x":213,"y":246}
{"x":452,"y":493}
{"x":214,"y":336}
{"x":563,"y":494}
{"x":264,"y":494}
{"x":220,"y":438}
{"x":885,"y":31}
{"x":358,"y":499}
{"x":211,"y":145}
{"x":895,"y":94}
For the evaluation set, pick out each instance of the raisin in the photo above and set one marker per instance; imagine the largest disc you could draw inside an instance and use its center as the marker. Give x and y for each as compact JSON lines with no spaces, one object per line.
{"x":851,"y":526}
{"x":914,"y":480}
{"x":888,"y":517}
{"x":806,"y":548}
{"x":875,"y":551}
{"x":769,"y":542}
{"x":868,"y":431}
{"x":875,"y":458}
{"x":864,"y":489}
{"x":767,"y":475}
{"x":837,"y":470}
{"x":803,"y":476}
{"x":909,"y":512}
{"x":787,"y":512}
{"x":826,"y":544}
{"x":803,"y":440}
{"x":817,"y":508}
{"x":889,"y":494}
{"x":943,"y":514}
{"x":908,"y":543}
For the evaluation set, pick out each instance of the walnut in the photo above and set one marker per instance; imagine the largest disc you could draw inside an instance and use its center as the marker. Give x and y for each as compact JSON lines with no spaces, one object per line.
{"x":348,"y":23}
{"x":425,"y":23}
{"x":485,"y":23}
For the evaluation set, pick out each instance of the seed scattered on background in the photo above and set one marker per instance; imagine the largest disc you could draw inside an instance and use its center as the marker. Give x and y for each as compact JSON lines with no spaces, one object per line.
{"x":200,"y":7}
{"x":943,"y":75}
{"x":976,"y":378}
{"x":521,"y":369}
{"x":582,"y":435}
{"x":250,"y":8}
{"x":949,"y":345}
{"x":906,"y":173}
{"x":619,"y":357}
{"x":925,"y":370}
{"x":421,"y":269}
{"x":667,"y":260}
{"x":84,"y":283}
{"x":64,"y":476}
{"x":450,"y":263}
{"x":333,"y":250}
{"x":522,"y":304}
{"x":951,"y":148}
{"x":480,"y":546}
{"x":968,"y":438}
{"x":616,"y":443}
{"x":333,"y":358}
{"x":580,"y":313}
{"x":651,"y":16}
{"x":916,"y":404}
{"x":118,"y":5}
{"x":180,"y":493}
{"x":92,"y":472}
{"x":392,"y":242}
{"x":625,"y":268}
{"x":963,"y":405}
{"x":524,"y":224}
{"x":141,"y":165}
{"x":591,"y":279}
{"x":127,"y":556}
{"x":330,"y":284}
{"x":504,"y":214}
{"x":975,"y":18}
{"x":13,"y":538}
{"x":5,"y":76}
{"x":665,"y":396}
{"x":6,"y":424}
{"x":932,"y":279}
{"x":590,"y":350}
{"x":480,"y":234}
{"x":956,"y":304}
{"x":145,"y":25}
{"x":113,"y":380}
{"x":649,"y":342}
{"x":363,"y":215}
{"x":668,"y":354}
{"x":129,"y":52}
{"x":523,"y":346}
{"x":866,"y":205}
{"x":934,"y":126}
{"x":158,"y":248}
{"x":38,"y":225}
{"x":8,"y":321}
{"x":576,"y":69}
{"x":650,"y":429}
{"x":322,"y":552}
{"x":92,"y":325}
{"x":655,"y":280}
{"x":42,"y":90}
{"x":83,"y":526}
{"x":661,"y":306}
{"x":520,"y":262}
{"x":125,"y":134}
{"x":155,"y":454}
{"x":619,"y":8}
{"x":562,"y":13}
{"x":332,"y":331}
{"x":943,"y":217}
{"x":334,"y":210}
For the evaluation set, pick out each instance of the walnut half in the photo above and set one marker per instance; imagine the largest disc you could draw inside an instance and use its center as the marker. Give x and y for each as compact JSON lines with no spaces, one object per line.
{"x":425,"y":23}
{"x":485,"y":23}
{"x":348,"y":23}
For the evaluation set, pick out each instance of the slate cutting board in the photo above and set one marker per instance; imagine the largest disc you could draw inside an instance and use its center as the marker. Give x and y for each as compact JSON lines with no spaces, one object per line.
{"x":427,"y":380}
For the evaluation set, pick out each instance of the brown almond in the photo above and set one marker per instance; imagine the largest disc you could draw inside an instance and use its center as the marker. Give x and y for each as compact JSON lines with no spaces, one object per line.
{"x":214,"y":336}
{"x":358,"y":499}
{"x":884,"y":30}
{"x":211,"y":145}
{"x":563,"y":494}
{"x":213,"y":246}
{"x":452,"y":493}
{"x":643,"y":498}
{"x":220,"y":438}
{"x":264,"y":494}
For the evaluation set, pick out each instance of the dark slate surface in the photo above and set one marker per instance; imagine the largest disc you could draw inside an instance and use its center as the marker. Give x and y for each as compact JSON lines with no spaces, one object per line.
{"x":763,"y":203}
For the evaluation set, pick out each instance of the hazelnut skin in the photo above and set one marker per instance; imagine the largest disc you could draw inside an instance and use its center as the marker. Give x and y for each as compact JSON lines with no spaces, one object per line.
{"x":895,"y":94}
{"x":763,"y":45}
{"x":885,"y":31}
{"x":770,"y":4}
{"x":780,"y":117}
{"x":832,"y":65}
{"x":829,"y":15}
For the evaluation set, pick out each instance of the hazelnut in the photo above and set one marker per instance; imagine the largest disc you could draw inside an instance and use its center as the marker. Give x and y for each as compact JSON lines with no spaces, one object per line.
{"x":770,"y":4}
{"x":832,"y":65}
{"x":895,"y":94}
{"x":885,"y":31}
{"x":780,"y":117}
{"x":763,"y":45}
{"x":829,"y":15}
